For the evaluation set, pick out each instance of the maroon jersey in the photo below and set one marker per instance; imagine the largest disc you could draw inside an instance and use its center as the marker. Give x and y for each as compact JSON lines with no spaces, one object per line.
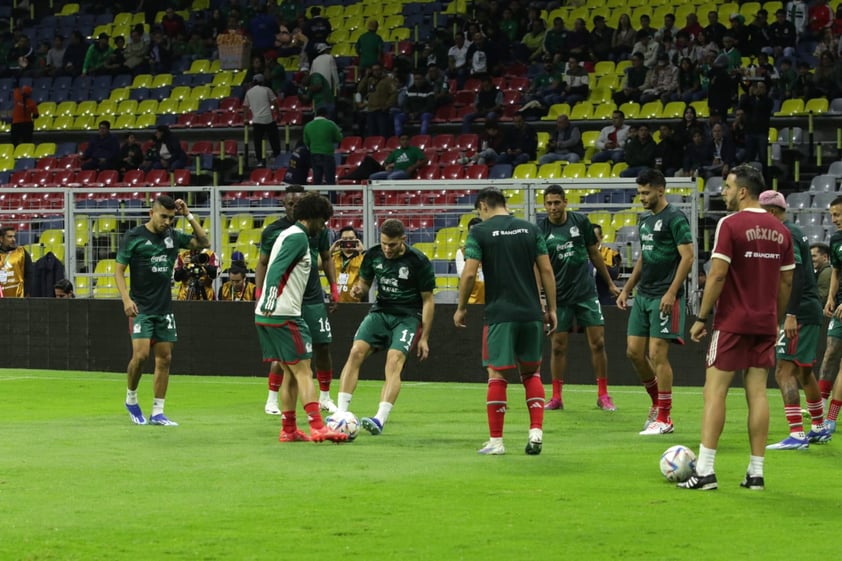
{"x":757,"y":247}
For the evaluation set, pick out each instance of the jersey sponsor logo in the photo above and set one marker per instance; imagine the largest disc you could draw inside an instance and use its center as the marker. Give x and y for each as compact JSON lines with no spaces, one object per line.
{"x":403,"y":273}
{"x":759,"y":255}
{"x":758,"y":233}
{"x":518,"y":231}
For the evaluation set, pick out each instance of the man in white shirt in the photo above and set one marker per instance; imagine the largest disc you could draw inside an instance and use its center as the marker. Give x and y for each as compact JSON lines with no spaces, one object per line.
{"x":261,"y":100}
{"x":612,"y":139}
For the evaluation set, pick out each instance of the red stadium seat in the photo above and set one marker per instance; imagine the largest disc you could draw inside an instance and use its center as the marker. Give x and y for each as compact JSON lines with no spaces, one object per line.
{"x":229,"y":105}
{"x":442,"y":142}
{"x":476,"y":172}
{"x":157,"y":178}
{"x":203,"y":147}
{"x":108,"y":178}
{"x":350,"y":144}
{"x":393,"y":142}
{"x":133,"y":178}
{"x":468,"y":142}
{"x":355,"y":159}
{"x":450,"y":157}
{"x":181,"y":177}
{"x":420,"y":141}
{"x":429,"y":173}
{"x":464,"y":97}
{"x":63,"y":178}
{"x":47,"y":163}
{"x":455,"y":171}
{"x":373,"y":143}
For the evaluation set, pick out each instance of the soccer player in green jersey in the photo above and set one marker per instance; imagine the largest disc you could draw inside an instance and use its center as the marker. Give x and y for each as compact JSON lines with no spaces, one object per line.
{"x":284,"y":334}
{"x":315,"y":312}
{"x":571,"y":243}
{"x":657,"y":317}
{"x":798,"y":338}
{"x":509,"y":250}
{"x":149,"y":251}
{"x":400,"y":319}
{"x":833,"y":310}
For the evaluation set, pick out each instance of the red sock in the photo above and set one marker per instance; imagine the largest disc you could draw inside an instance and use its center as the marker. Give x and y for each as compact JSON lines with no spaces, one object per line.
{"x":534,"y":400}
{"x":825,"y":386}
{"x":314,"y":418}
{"x":816,"y":409}
{"x":833,"y":409}
{"x":324,"y":377}
{"x":288,"y":423}
{"x":275,"y":381}
{"x":558,"y":385}
{"x":664,"y":407}
{"x":495,"y":405}
{"x":794,"y":418}
{"x":652,"y":389}
{"x":601,"y":386}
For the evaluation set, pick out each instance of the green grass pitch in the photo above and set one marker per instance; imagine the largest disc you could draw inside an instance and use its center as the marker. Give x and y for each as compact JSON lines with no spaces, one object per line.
{"x":78,"y":481}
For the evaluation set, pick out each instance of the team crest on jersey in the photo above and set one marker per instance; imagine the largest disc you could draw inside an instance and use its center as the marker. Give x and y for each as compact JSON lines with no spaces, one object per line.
{"x":658,"y":225}
{"x":309,"y":347}
{"x":136,"y":328}
{"x":168,"y":243}
{"x":403,"y":273}
{"x":574,"y":232}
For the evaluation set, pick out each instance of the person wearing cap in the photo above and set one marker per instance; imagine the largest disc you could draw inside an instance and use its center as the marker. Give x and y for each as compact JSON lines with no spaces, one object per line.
{"x":23,"y":112}
{"x":261,"y":101}
{"x":97,"y":56}
{"x":369,"y":46}
{"x":798,"y":339}
{"x":324,"y":64}
{"x":749,"y":284}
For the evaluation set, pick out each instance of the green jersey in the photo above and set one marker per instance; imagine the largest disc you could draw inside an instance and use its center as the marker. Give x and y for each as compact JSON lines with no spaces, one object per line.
{"x":150,"y":258}
{"x":405,"y":157}
{"x":810,"y":309}
{"x":567,"y":246}
{"x":313,"y":294}
{"x":660,"y":236}
{"x":836,"y":260}
{"x":400,"y":281}
{"x":508,"y":247}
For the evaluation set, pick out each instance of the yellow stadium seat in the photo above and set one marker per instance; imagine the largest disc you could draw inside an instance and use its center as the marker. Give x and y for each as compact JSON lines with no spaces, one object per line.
{"x":552,"y":170}
{"x":199,"y":66}
{"x":82,"y":286}
{"x":514,"y":196}
{"x":575,"y":171}
{"x":525,"y":171}
{"x":624,"y":218}
{"x":106,"y":108}
{"x":610,"y":82}
{"x":45,"y":149}
{"x":543,"y":139}
{"x":222,"y":78}
{"x":7,"y":150}
{"x":673,"y":110}
{"x":24,"y":150}
{"x":168,"y":106}
{"x":161,"y":80}
{"x":123,"y":18}
{"x":119,"y":94}
{"x":66,"y":108}
{"x":589,"y":138}
{"x":69,"y":9}
{"x":599,"y":170}
{"x":604,"y":67}
{"x":103,"y":28}
{"x":602,"y":218}
{"x":651,"y":110}
{"x":125,"y":122}
{"x":147,"y":106}
{"x":180,"y":92}
{"x":47,"y":108}
{"x":105,"y":224}
{"x":447,"y":242}
{"x":617,"y":168}
{"x":446,"y":282}
{"x":604,"y":111}
{"x":581,"y":111}
{"x":87,"y":107}
{"x":36,"y":251}
{"x":817,"y":106}
{"x":241,"y":222}
{"x":621,"y":67}
{"x":600,"y":95}
{"x":146,"y":121}
{"x":215,"y":66}
{"x":199,"y":93}
{"x":791,"y":107}
{"x":427,"y":248}
{"x":701,"y":107}
{"x":51,"y":237}
{"x":630,"y":109}
{"x":555,"y":111}
{"x":238,"y":77}
{"x":128,"y":106}
{"x":63,"y":123}
{"x":43,"y":123}
{"x":142,"y":81}
{"x":56,"y":249}
{"x":187,"y":106}
{"x":220,"y":92}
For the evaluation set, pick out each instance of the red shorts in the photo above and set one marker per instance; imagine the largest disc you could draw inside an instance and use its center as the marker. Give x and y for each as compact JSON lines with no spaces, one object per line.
{"x":735,"y":351}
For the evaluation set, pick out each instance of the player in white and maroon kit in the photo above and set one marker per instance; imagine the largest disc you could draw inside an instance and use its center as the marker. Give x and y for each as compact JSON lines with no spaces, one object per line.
{"x":749,"y":282}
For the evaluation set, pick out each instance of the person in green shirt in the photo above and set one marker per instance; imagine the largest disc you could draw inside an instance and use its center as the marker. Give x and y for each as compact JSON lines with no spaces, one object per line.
{"x":321,"y":135}
{"x":400,"y":319}
{"x":97,"y":56}
{"x":510,"y":251}
{"x":402,"y":162}
{"x":150,"y":251}
{"x":369,"y":46}
{"x":657,"y":317}
{"x":572,"y":247}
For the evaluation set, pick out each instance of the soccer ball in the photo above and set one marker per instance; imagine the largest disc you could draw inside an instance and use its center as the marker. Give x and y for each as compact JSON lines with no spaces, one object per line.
{"x":678,"y":463}
{"x":346,"y":423}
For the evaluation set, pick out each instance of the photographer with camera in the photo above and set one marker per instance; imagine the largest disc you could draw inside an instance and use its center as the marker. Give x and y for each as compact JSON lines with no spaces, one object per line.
{"x":347,"y":252}
{"x":195,"y":269}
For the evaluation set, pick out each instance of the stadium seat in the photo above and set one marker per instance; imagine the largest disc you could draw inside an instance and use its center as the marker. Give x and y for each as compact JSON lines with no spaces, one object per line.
{"x":453,"y":171}
{"x":581,"y":111}
{"x":790,"y":107}
{"x":476,"y":172}
{"x":525,"y":171}
{"x":630,"y":109}
{"x":574,"y":171}
{"x":816,"y":106}
{"x":552,"y":170}
{"x":500,"y":171}
{"x":350,"y":144}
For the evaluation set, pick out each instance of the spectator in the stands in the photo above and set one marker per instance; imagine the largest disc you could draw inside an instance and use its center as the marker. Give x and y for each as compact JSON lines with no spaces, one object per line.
{"x":403,"y":162}
{"x":669,"y":152}
{"x":166,"y":152}
{"x":647,"y":47}
{"x":369,"y":46}
{"x":555,"y":41}
{"x":624,"y":38}
{"x":487,"y":105}
{"x":715,"y":31}
{"x":531,"y":46}
{"x":136,"y":53}
{"x":661,"y":81}
{"x":103,"y":151}
{"x":696,"y":156}
{"x":758,"y":113}
{"x":377,"y":93}
{"x":632,"y":85}
{"x":668,"y":29}
{"x":417,"y":104}
{"x":97,"y":56}
{"x":600,"y":40}
{"x":564,"y":144}
{"x":263,"y":27}
{"x":438,"y":80}
{"x":692,"y":28}
{"x":325,"y":64}
{"x":689,"y":84}
{"x":131,"y":154}
{"x":160,"y":53}
{"x":759,"y":34}
{"x":612,"y":140}
{"x":689,"y":124}
{"x":578,"y":41}
{"x":172,"y":23}
{"x":55,"y":56}
{"x":521,"y":143}
{"x":457,"y":60}
{"x":74,"y":54}
{"x":492,"y":144}
{"x":576,"y":85}
{"x":686,"y":47}
{"x":640,"y":152}
{"x":738,"y":134}
{"x":318,"y":28}
{"x":782,"y":36}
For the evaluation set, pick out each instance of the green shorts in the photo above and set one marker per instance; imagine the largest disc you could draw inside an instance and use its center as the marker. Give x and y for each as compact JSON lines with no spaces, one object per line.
{"x":315,"y":316}
{"x":646,"y":319}
{"x":802,"y":349}
{"x":288,"y":342}
{"x":159,"y":328}
{"x":834,"y":328}
{"x":388,"y":331}
{"x":512,"y":344}
{"x":587,"y":313}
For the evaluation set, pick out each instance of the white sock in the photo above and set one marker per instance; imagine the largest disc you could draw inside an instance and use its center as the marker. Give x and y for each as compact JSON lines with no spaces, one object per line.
{"x":383,"y":412}
{"x":343,"y":401}
{"x":272,"y":397}
{"x":157,"y":406}
{"x":131,"y":397}
{"x":706,"y":458}
{"x":324,"y":396}
{"x":799,"y":435}
{"x":755,"y":466}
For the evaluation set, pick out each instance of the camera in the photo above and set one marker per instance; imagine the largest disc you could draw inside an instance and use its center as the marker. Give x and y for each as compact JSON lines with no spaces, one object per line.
{"x":348,"y":244}
{"x":197,"y":262}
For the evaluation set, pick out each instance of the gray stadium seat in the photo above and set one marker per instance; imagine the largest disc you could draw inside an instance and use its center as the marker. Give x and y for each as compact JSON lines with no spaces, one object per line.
{"x":823,"y":183}
{"x":821,"y":201}
{"x":799,"y":200}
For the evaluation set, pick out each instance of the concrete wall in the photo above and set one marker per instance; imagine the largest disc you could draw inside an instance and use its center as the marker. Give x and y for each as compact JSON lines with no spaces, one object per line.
{"x":218,"y":338}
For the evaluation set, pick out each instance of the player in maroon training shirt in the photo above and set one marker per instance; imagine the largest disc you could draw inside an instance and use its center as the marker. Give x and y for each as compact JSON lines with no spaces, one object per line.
{"x":749,"y":282}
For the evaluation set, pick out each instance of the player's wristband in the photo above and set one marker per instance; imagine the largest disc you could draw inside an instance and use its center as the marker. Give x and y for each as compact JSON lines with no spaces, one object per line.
{"x":258,"y":292}
{"x":334,"y":292}
{"x":700,"y":320}
{"x":190,"y":217}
